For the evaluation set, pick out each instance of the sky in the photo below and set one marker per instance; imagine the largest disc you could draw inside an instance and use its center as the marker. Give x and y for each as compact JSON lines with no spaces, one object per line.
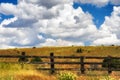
{"x":28,"y":23}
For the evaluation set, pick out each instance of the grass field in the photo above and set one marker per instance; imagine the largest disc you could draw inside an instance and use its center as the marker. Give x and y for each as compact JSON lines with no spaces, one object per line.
{"x":87,"y":50}
{"x":11,"y":71}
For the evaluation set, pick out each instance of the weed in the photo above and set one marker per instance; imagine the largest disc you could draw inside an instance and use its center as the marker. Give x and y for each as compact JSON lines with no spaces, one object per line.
{"x":107,"y":78}
{"x":36,"y":59}
{"x":67,"y":76}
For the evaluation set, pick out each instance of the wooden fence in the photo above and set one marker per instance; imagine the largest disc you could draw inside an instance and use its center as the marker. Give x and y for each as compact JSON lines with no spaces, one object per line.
{"x":81,"y":62}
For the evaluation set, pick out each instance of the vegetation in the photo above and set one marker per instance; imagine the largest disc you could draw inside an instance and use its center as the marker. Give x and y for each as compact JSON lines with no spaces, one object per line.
{"x":107,"y":78}
{"x":22,"y":59}
{"x":86,"y":51}
{"x":36,"y":59}
{"x":111,"y":62}
{"x":67,"y":76}
{"x":79,"y":50}
{"x":10,"y":71}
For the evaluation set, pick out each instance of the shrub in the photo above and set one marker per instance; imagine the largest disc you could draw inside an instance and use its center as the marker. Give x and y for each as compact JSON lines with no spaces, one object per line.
{"x":67,"y":76}
{"x":34,"y":47}
{"x":113,"y":64}
{"x":21,"y":59}
{"x":112,"y":45}
{"x":36,"y":59}
{"x":79,"y":50}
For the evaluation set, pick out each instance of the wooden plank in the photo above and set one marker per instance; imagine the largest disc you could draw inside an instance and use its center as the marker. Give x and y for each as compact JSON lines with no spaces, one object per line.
{"x":66,"y":63}
{"x":74,"y":69}
{"x":99,"y":69}
{"x":99,"y":63}
{"x":18,"y":56}
{"x":60,"y":57}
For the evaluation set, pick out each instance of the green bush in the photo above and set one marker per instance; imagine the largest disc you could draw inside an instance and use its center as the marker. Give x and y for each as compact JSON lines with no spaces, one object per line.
{"x":79,"y":50}
{"x":23,"y":59}
{"x":36,"y":59}
{"x":114,"y":63}
{"x":67,"y":76}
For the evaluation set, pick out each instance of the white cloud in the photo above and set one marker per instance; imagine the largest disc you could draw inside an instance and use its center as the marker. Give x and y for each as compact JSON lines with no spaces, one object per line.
{"x":98,"y":3}
{"x":59,"y":21}
{"x":112,"y":23}
{"x":55,"y":23}
{"x":49,"y":3}
{"x":8,"y":21}
{"x":59,"y":42}
{"x":7,"y":8}
{"x":115,"y":2}
{"x":110,"y":30}
{"x":18,"y":37}
{"x":68,"y":23}
{"x":107,"y":40}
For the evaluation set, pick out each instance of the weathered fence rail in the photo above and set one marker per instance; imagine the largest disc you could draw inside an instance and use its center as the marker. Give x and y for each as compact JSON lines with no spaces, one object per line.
{"x":81,"y":62}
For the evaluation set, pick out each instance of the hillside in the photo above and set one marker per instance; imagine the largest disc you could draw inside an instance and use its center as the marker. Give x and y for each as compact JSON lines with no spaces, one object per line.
{"x":72,"y":50}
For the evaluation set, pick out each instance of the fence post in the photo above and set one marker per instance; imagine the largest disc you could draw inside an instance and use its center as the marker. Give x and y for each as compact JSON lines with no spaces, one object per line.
{"x":109,"y":65}
{"x":82,"y":68}
{"x":23,"y":59}
{"x":52,"y":69}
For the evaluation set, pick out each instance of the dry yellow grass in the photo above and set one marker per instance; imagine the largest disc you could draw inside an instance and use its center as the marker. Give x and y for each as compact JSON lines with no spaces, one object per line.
{"x":29,"y":72}
{"x":33,"y":75}
{"x":87,"y":51}
{"x":37,"y":75}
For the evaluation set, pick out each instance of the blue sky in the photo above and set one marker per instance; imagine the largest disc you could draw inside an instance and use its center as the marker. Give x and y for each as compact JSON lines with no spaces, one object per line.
{"x":98,"y":13}
{"x":7,"y":16}
{"x":27,"y":23}
{"x":9,"y":1}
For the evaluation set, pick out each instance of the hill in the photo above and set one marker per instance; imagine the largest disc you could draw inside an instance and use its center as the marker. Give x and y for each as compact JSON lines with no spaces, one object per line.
{"x":71,"y":50}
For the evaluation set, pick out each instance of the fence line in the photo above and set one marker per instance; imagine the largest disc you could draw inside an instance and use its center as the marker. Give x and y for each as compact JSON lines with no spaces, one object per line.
{"x":81,"y":62}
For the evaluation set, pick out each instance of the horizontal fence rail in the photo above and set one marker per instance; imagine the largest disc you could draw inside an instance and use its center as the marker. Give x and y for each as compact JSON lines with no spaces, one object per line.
{"x":60,"y":57}
{"x":81,"y":62}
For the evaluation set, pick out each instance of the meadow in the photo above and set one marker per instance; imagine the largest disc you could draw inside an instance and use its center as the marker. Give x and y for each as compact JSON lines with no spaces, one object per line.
{"x":13,"y":71}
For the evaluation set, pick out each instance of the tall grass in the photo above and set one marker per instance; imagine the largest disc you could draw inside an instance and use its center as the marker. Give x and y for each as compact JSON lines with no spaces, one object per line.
{"x":10,"y":71}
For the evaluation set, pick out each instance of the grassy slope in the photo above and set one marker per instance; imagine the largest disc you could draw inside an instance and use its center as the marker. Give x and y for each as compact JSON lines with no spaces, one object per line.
{"x":87,"y":51}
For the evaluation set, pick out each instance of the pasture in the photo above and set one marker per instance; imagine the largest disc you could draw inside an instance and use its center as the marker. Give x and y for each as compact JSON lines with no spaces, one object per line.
{"x":14,"y":71}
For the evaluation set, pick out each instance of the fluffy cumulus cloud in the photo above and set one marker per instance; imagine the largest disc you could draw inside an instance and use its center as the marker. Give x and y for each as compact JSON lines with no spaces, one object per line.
{"x":55,"y":23}
{"x":112,"y":39}
{"x":59,"y":42}
{"x":110,"y":29}
{"x":48,"y":4}
{"x":67,"y":24}
{"x":17,"y":37}
{"x":112,"y":23}
{"x":39,"y":23}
